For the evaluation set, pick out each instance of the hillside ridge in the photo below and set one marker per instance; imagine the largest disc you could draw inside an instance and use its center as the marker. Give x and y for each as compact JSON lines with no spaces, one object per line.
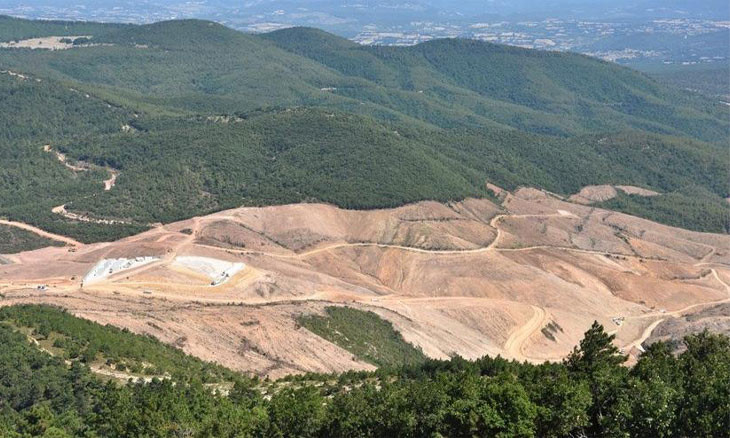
{"x":357,"y":126}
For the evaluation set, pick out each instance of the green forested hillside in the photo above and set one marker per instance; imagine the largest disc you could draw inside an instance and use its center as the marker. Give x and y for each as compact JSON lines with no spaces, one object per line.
{"x":77,"y":339}
{"x":701,"y":211}
{"x":538,"y":91}
{"x":53,"y":391}
{"x":14,"y":240}
{"x":197,"y":117}
{"x":32,"y":182}
{"x":274,"y":158}
{"x":357,"y":162}
{"x":712,"y":80}
{"x":12,"y":29}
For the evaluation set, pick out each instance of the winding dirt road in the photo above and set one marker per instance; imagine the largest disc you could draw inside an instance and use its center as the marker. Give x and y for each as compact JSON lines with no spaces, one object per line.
{"x":717,"y":277}
{"x":490,"y":247}
{"x":673,"y":314}
{"x":644,"y":336}
{"x":61,"y":211}
{"x":514,"y":345}
{"x":83,"y":167}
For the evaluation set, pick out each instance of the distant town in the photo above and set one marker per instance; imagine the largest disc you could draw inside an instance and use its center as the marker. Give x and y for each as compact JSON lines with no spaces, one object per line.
{"x":555,"y":34}
{"x":681,"y":41}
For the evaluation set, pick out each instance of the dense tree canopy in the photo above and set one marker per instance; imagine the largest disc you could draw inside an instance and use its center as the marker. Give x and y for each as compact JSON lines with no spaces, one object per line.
{"x":591,"y":394}
{"x":197,"y":117}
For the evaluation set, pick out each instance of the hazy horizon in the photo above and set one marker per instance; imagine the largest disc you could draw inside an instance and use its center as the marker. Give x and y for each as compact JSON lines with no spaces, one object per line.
{"x":643,"y":34}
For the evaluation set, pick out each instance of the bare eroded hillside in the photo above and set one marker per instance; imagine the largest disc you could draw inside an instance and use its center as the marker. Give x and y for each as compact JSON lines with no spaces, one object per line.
{"x":523,"y":279}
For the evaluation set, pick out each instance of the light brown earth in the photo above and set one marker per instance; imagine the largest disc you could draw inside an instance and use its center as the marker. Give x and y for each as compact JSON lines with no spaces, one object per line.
{"x":61,"y":210}
{"x":714,"y":318}
{"x":639,"y":191}
{"x":112,"y":181}
{"x":524,"y":279}
{"x":44,"y":43}
{"x":42,"y":233}
{"x":600,"y":193}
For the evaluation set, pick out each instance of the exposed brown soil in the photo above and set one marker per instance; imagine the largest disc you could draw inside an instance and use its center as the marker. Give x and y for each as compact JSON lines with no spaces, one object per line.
{"x":43,"y":43}
{"x":42,"y":233}
{"x":61,"y":211}
{"x":112,"y":181}
{"x":523,"y":280}
{"x":715,"y":318}
{"x":593,"y":194}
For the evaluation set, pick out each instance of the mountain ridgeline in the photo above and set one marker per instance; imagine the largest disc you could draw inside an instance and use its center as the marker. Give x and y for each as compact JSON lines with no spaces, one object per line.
{"x":196,"y":117}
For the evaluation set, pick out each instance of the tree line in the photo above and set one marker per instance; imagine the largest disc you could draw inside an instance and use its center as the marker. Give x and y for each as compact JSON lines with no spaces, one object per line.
{"x":590,"y":394}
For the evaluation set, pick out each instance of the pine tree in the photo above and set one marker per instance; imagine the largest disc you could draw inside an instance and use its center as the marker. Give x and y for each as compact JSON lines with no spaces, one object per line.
{"x":595,"y":351}
{"x":598,"y":361}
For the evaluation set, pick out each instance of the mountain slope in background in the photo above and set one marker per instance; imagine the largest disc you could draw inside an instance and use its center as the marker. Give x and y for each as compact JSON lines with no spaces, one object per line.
{"x":183,"y":136}
{"x":192,"y":117}
{"x":568,"y":93}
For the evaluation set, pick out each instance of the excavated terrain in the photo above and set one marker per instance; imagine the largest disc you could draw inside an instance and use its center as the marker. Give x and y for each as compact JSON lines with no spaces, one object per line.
{"x":523,"y":279}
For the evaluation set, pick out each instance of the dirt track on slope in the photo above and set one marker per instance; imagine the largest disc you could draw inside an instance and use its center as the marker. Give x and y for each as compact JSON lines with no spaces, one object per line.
{"x":646,"y":334}
{"x":515,"y":344}
{"x":467,"y":278}
{"x":42,"y":233}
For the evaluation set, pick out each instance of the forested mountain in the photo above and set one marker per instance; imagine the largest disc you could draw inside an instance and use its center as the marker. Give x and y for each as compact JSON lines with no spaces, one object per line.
{"x":196,"y":117}
{"x":12,"y":28}
{"x":120,"y":127}
{"x":531,"y":90}
{"x":53,"y":366}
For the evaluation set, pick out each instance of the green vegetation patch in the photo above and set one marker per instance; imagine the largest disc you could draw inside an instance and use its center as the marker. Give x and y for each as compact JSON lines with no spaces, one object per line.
{"x":174,"y":168}
{"x":14,"y":240}
{"x":308,"y":154}
{"x":14,"y":29}
{"x":91,"y":343}
{"x":711,"y":79}
{"x":366,"y":335}
{"x":700,"y":209}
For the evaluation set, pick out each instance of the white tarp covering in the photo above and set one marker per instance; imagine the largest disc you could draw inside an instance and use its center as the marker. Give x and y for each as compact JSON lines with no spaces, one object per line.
{"x":219,"y":271}
{"x":107,"y":267}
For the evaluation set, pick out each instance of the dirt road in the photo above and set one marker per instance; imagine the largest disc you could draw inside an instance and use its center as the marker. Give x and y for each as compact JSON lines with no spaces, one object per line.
{"x":515,"y":343}
{"x":644,"y":336}
{"x":673,"y":314}
{"x":42,"y":233}
{"x":490,"y":247}
{"x":717,"y":277}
